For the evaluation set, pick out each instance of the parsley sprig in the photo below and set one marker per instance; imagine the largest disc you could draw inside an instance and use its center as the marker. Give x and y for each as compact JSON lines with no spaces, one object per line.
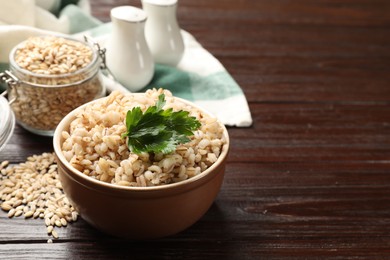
{"x":157,"y":130}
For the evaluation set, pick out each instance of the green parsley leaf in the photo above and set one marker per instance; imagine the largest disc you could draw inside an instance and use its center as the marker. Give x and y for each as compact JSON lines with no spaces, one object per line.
{"x":157,"y":130}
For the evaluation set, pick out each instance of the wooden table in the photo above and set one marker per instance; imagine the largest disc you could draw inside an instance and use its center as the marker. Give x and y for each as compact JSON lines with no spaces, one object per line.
{"x":310,"y":178}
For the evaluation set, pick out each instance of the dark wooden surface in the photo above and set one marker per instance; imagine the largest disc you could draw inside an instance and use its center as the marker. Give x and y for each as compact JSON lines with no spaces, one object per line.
{"x":311,"y":178}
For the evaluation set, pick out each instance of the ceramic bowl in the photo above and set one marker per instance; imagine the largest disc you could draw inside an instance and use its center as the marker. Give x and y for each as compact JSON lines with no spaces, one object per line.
{"x":139,"y":212}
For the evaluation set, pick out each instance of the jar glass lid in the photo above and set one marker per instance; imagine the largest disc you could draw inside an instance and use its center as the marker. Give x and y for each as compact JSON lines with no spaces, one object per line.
{"x":7,"y":122}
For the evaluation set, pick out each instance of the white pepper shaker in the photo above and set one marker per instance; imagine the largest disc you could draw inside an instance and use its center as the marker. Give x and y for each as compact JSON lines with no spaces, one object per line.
{"x":162,"y":31}
{"x":128,"y":56}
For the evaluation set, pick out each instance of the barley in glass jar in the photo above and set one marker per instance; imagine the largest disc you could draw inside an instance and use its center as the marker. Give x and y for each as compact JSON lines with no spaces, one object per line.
{"x":54,"y":76}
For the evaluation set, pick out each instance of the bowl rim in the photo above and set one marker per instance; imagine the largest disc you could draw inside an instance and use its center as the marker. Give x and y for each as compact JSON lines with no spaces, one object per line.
{"x":105,"y":185}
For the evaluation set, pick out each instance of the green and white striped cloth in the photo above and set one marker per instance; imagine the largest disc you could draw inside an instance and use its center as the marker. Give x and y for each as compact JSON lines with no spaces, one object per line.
{"x":199,"y":77}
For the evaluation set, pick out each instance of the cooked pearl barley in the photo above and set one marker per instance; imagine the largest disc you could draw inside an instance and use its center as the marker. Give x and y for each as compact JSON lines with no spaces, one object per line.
{"x":36,"y":192}
{"x":107,"y":158}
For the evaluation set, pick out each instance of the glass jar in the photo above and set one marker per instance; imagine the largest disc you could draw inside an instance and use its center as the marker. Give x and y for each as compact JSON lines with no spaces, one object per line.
{"x":7,"y":122}
{"x":40,"y":101}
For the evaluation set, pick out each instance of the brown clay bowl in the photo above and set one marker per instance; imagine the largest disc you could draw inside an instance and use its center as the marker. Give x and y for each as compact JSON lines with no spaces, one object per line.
{"x":139,"y":212}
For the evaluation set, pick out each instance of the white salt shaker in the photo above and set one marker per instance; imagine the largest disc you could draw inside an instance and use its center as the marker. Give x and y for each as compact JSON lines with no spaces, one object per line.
{"x":128,"y":56}
{"x":162,"y":31}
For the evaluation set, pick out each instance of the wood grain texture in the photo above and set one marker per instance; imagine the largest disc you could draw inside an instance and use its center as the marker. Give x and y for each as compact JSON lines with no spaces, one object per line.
{"x":310,"y":179}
